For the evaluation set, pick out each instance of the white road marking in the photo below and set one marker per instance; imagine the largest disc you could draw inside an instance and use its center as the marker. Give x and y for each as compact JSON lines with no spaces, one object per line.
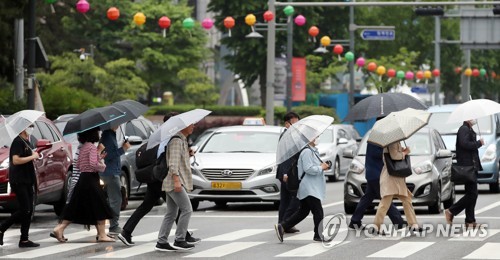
{"x":309,"y":250}
{"x":73,"y":236}
{"x":487,"y":251}
{"x":45,"y":251}
{"x":232,"y":236}
{"x":129,"y":252}
{"x":475,"y":235}
{"x":401,"y":249}
{"x":225,"y":249}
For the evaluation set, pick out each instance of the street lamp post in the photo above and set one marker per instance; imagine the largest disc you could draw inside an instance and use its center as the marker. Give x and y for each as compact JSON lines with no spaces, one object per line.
{"x":289,"y":58}
{"x":31,"y":54}
{"x":351,"y":63}
{"x":271,"y":42}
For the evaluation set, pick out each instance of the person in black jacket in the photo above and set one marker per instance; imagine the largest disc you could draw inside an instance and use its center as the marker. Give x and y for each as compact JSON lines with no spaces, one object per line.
{"x":289,"y":204}
{"x":467,"y":154}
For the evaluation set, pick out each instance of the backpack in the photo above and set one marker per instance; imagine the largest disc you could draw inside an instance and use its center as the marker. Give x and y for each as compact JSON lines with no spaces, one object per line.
{"x":293,"y":181}
{"x":150,"y":168}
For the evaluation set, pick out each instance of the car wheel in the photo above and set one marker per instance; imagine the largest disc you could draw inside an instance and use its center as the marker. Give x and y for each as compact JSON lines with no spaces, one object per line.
{"x":436,"y":207}
{"x":221,"y":203}
{"x":125,"y":189}
{"x":494,"y":187}
{"x":447,"y":203}
{"x":349,"y":208}
{"x":195,"y":204}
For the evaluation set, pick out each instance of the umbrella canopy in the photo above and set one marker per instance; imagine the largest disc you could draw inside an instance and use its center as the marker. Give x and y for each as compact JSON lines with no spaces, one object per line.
{"x":11,"y":127}
{"x":174,"y":125}
{"x":132,"y":109}
{"x":298,"y":135}
{"x":92,"y":118}
{"x":381,"y":105}
{"x":474,"y":109}
{"x":398,"y":126}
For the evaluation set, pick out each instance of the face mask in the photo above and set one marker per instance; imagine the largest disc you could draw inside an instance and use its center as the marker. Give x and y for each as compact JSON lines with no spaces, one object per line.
{"x":473,"y":122}
{"x":29,"y":130}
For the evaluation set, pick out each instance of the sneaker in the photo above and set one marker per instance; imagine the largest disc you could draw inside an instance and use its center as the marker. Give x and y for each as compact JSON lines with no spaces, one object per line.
{"x":126,"y":239}
{"x":356,"y":226}
{"x":318,"y":239}
{"x":28,"y":244}
{"x":164,"y":247}
{"x":279,"y":231}
{"x":292,"y":230}
{"x":182,"y":245}
{"x":1,"y":238}
{"x":448,"y":216}
{"x":115,"y":231}
{"x":193,"y":240}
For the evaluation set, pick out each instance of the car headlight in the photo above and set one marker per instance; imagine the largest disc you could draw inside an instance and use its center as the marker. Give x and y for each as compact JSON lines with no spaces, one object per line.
{"x":4,"y":164}
{"x":268,"y":170}
{"x":490,"y":154}
{"x":356,"y":167}
{"x":423,"y":167}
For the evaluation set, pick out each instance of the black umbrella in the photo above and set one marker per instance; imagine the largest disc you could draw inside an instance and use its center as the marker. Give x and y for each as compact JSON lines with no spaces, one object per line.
{"x":381,"y":105}
{"x":92,"y":118}
{"x":132,"y":109}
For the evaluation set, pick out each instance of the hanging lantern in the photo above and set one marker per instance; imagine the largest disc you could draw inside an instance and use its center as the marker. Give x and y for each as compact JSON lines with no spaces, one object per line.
{"x":164,"y":23}
{"x":380,"y":71}
{"x":229,"y":23}
{"x":82,"y":6}
{"x":313,"y":32}
{"x":458,"y":70}
{"x":207,"y":23}
{"x":300,"y":20}
{"x":51,"y":2}
{"x":325,"y":41}
{"x":360,"y":62}
{"x":139,"y":19}
{"x":475,"y":73}
{"x":372,"y":66}
{"x":113,"y":13}
{"x":188,"y":23}
{"x":493,"y":75}
{"x":400,"y":75}
{"x":419,"y":75}
{"x":468,"y":72}
{"x":409,"y":75}
{"x":268,"y":16}
{"x":349,"y":56}
{"x":436,"y":73}
{"x":391,"y":73}
{"x":482,"y":72}
{"x":338,"y":49}
{"x":289,"y":12}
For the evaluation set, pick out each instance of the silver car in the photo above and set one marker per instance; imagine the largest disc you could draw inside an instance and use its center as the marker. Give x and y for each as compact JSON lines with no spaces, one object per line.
{"x":236,"y":163}
{"x":430,"y":182}
{"x":331,"y":145}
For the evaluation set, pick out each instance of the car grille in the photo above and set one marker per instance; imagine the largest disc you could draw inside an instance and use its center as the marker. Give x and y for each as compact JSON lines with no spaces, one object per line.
{"x":410,"y":186}
{"x":3,"y":188}
{"x":227,"y":174}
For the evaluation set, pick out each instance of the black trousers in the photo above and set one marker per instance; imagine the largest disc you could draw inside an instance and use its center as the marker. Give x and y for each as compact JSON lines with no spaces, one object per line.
{"x":153,"y":193}
{"x":308,"y":204}
{"x":24,"y":197}
{"x":467,"y":202}
{"x":289,"y":204}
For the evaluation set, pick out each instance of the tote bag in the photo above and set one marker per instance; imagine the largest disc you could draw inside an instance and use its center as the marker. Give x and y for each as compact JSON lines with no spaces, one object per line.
{"x":398,"y":168}
{"x":463,"y":174}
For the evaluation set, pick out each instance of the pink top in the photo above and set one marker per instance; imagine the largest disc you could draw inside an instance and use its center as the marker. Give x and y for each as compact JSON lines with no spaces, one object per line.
{"x":88,"y":159}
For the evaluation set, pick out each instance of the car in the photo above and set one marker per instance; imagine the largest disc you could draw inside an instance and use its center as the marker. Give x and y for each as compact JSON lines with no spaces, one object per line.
{"x":254,"y":121}
{"x":237,"y":164}
{"x":202,"y":137}
{"x":430,"y":182}
{"x":487,"y":128}
{"x":53,"y":169}
{"x":331,"y":145}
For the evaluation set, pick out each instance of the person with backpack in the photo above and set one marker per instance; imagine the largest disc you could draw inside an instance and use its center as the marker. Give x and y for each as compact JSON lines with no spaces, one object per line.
{"x":311,"y":192}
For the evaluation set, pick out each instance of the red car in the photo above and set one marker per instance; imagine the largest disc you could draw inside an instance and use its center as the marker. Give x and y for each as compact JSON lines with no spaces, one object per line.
{"x":53,"y":169}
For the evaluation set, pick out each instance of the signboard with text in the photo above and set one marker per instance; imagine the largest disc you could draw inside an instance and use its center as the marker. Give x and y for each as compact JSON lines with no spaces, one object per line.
{"x":378,"y":35}
{"x":298,"y":79}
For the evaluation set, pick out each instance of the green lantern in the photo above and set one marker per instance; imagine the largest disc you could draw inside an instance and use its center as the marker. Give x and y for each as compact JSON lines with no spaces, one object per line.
{"x":188,"y":23}
{"x":50,"y":2}
{"x":349,"y":56}
{"x":482,"y":72}
{"x":288,"y":10}
{"x":400,"y":74}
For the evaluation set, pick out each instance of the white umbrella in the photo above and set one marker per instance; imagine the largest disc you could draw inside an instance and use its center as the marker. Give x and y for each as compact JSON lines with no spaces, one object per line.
{"x":474,"y":109}
{"x":398,"y":126}
{"x":174,"y":125}
{"x":298,"y":135}
{"x":11,"y":127}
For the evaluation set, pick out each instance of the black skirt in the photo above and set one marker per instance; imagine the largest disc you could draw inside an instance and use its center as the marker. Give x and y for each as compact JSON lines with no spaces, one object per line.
{"x":88,"y":203}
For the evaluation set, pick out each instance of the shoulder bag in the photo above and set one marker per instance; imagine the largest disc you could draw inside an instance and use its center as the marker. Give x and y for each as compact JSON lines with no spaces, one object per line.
{"x":398,"y":168}
{"x":463,"y":174}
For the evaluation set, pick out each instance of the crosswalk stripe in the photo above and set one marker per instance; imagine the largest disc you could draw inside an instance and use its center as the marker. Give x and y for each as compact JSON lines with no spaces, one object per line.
{"x":225,"y":249}
{"x":16,"y":232}
{"x":153,"y":236}
{"x":309,"y":250}
{"x":72,"y":236}
{"x":468,"y":235}
{"x":487,"y":251}
{"x":308,"y":235}
{"x":129,"y":252}
{"x":401,"y":249}
{"x":45,"y":251}
{"x":231,"y":236}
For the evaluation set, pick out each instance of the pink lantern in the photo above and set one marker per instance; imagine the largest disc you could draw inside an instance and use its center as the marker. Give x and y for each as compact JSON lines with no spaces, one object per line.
{"x":82,"y":6}
{"x":360,"y":62}
{"x":409,"y":75}
{"x":300,"y":20}
{"x":207,"y":23}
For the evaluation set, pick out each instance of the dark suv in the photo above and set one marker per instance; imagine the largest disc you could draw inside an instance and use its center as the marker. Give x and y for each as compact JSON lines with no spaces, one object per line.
{"x":52,"y":169}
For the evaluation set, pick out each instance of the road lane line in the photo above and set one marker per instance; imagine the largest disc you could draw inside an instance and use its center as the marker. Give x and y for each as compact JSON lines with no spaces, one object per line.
{"x":231,"y":236}
{"x":15,"y":232}
{"x":467,"y":235}
{"x":45,"y":251}
{"x":487,"y":251}
{"x":333,"y":204}
{"x":225,"y":249}
{"x":401,"y":249}
{"x":309,"y":250}
{"x":491,"y":206}
{"x":72,"y":236}
{"x":129,"y":251}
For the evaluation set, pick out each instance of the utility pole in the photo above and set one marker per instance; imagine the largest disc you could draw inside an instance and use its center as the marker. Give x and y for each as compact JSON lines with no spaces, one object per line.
{"x":437,"y":59}
{"x":351,"y":63}
{"x":289,"y":59}
{"x":31,"y":54}
{"x":271,"y":42}
{"x":19,"y":69}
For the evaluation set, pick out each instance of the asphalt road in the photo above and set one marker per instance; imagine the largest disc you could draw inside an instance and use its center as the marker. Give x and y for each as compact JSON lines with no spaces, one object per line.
{"x":245,"y":231}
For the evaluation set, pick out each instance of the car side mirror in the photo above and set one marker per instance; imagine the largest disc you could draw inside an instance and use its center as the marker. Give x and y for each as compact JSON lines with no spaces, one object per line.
{"x":134,"y":140}
{"x":342,"y":141}
{"x":43,"y":144}
{"x":348,"y":153}
{"x":442,"y":153}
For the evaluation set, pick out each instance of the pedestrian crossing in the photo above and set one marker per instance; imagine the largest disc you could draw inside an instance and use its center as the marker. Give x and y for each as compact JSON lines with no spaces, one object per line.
{"x":248,"y":241}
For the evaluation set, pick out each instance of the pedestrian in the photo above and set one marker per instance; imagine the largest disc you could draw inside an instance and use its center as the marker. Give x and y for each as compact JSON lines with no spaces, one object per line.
{"x":310,"y":193}
{"x":467,"y":155}
{"x":392,"y":186}
{"x":289,"y":204}
{"x":111,"y":176}
{"x":373,"y":167}
{"x":177,"y":184}
{"x":88,"y":204}
{"x":22,"y":181}
{"x":153,"y":194}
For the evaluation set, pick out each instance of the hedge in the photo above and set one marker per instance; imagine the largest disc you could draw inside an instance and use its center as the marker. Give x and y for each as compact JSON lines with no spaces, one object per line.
{"x":216,"y":110}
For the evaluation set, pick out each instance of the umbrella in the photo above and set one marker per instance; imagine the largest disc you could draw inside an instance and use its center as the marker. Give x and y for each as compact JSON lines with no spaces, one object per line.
{"x":398,"y":126}
{"x":11,"y":127}
{"x":92,"y":118}
{"x":381,"y":105}
{"x":300,"y":134}
{"x":174,"y":125}
{"x":132,"y":109}
{"x":474,"y":109}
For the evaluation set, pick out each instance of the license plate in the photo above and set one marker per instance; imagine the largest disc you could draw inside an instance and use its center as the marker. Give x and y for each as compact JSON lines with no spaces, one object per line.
{"x":226,"y":185}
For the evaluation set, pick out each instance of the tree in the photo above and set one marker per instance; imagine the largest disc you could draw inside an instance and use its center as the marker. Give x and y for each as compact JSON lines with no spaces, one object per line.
{"x":198,"y":88}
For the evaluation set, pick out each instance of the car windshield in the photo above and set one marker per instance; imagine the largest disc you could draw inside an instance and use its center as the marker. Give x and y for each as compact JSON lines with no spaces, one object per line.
{"x":326,"y":137}
{"x":419,"y":144}
{"x":438,"y":121}
{"x":242,"y":142}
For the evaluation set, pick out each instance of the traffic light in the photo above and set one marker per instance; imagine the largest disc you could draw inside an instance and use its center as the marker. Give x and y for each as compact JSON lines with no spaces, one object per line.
{"x":496,"y":9}
{"x":429,"y":11}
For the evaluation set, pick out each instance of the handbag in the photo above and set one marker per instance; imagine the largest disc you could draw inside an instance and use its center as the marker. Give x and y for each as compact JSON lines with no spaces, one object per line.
{"x":463,"y":174}
{"x":398,"y":168}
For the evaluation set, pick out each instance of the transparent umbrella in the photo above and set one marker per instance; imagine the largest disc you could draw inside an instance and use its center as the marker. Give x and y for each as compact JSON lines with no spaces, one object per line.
{"x":16,"y":123}
{"x":300,"y":134}
{"x":474,"y":109}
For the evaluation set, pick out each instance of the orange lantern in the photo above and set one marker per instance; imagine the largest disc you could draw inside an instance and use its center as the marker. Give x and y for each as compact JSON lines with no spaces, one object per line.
{"x":468,"y":72}
{"x":113,"y":13}
{"x":313,"y":32}
{"x":229,"y":23}
{"x":493,"y":74}
{"x":139,"y":19}
{"x":458,"y":70}
{"x":420,"y":75}
{"x":372,"y":66}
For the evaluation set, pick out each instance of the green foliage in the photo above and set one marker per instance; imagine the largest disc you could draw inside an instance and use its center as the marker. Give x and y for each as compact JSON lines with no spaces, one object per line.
{"x":198,"y":88}
{"x":60,"y":100}
{"x":216,"y":110}
{"x":8,"y":105}
{"x":305,"y":111}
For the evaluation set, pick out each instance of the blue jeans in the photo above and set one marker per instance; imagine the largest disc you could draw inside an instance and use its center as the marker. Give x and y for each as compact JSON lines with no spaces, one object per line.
{"x":113,"y":185}
{"x":373,"y":192}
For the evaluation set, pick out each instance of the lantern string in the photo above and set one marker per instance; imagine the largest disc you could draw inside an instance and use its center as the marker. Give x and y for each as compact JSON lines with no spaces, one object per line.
{"x":52,"y":8}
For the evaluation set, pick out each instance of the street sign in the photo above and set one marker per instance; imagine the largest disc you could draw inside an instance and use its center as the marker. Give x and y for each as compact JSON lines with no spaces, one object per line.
{"x":378,"y":35}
